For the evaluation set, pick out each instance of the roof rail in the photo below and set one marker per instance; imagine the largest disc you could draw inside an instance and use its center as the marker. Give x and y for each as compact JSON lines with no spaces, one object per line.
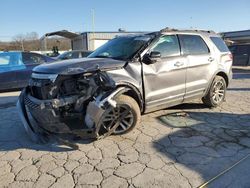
{"x":197,"y":30}
{"x":207,"y":31}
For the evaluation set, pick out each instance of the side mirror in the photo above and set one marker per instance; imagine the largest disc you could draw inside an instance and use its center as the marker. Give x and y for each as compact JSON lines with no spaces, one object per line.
{"x":153,"y":57}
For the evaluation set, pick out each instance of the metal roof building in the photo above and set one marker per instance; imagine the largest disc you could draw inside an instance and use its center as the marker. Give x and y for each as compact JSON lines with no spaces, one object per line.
{"x":93,"y":40}
{"x":86,"y":40}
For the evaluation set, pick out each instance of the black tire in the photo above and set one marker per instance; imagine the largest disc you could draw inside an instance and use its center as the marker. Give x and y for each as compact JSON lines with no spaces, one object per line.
{"x":216,"y":93}
{"x":129,"y":104}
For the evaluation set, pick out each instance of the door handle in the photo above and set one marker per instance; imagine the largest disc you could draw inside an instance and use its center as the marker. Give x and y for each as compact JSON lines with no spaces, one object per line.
{"x":210,"y":59}
{"x":178,"y":64}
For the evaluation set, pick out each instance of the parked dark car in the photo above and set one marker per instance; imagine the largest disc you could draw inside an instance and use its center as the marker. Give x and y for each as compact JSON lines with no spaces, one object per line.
{"x":241,"y":54}
{"x":107,"y":92}
{"x":16,"y":68}
{"x":75,"y":54}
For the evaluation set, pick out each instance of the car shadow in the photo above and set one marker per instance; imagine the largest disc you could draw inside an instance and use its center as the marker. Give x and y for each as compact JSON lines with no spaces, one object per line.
{"x":238,"y":89}
{"x":203,"y":144}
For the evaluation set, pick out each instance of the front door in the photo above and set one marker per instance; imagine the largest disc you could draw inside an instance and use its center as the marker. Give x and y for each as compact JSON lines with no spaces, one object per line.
{"x":164,"y":80}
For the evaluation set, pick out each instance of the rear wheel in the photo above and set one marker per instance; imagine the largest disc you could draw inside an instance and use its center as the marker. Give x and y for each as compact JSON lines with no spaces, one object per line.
{"x":216,"y":93}
{"x":127,"y":112}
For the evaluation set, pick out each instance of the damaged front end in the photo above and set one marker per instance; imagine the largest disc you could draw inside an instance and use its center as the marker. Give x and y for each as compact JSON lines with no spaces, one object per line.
{"x":67,"y":104}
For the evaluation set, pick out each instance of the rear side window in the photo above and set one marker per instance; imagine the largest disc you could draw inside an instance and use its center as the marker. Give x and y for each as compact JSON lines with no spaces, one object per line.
{"x":30,"y":58}
{"x":10,"y":59}
{"x":193,"y":45}
{"x":220,"y":44}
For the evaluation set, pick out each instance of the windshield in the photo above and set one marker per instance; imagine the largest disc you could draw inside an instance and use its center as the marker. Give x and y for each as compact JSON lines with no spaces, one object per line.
{"x":121,"y":48}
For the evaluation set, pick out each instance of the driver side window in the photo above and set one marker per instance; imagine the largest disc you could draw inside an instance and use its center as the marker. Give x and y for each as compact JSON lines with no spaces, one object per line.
{"x":167,"y":45}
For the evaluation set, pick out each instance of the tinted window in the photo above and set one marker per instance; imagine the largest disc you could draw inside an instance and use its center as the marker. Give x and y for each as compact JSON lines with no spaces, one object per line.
{"x":167,"y":45}
{"x":193,"y":45}
{"x":85,"y":54}
{"x":11,"y":61}
{"x":75,"y":55}
{"x":29,"y":58}
{"x":10,"y":58}
{"x":220,"y":44}
{"x":4,"y":59}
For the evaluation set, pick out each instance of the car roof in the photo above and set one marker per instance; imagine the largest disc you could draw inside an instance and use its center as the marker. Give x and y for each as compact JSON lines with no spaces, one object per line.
{"x":207,"y":33}
{"x":79,"y":51}
{"x":189,"y":31}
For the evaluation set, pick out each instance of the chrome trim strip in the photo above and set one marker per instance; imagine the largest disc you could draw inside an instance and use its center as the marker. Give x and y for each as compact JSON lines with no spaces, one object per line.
{"x":51,"y":77}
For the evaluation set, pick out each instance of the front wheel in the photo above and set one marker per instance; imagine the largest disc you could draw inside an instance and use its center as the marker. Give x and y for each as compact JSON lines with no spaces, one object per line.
{"x":127,"y":112}
{"x":216,"y":93}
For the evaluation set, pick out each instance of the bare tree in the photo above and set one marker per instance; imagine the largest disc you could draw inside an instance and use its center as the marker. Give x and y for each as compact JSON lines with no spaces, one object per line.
{"x":32,"y":36}
{"x":19,"y":40}
{"x":31,"y":42}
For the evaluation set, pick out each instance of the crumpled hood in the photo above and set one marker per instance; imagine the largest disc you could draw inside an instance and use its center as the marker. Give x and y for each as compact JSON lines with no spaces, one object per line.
{"x":75,"y":66}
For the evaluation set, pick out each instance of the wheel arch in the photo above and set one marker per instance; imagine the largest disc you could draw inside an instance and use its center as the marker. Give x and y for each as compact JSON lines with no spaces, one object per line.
{"x":223,"y":75}
{"x":132,"y":91}
{"x":218,"y":73}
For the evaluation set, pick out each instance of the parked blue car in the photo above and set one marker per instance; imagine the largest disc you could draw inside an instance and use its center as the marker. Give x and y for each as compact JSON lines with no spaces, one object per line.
{"x":16,"y":68}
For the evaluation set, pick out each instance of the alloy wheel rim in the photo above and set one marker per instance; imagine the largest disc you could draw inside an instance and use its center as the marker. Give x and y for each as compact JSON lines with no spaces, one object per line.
{"x":121,"y":113}
{"x":218,"y":91}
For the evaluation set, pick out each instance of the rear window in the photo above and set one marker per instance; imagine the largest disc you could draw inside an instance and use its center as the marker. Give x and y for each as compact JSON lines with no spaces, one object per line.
{"x":193,"y":45}
{"x":11,"y":61}
{"x":220,"y":44}
{"x":10,"y":58}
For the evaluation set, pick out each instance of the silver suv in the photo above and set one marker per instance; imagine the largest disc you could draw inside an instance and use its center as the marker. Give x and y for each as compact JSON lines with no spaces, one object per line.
{"x":107,"y":92}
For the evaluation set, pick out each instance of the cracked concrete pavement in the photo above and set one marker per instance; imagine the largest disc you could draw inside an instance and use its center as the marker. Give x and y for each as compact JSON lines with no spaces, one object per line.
{"x":183,"y":146}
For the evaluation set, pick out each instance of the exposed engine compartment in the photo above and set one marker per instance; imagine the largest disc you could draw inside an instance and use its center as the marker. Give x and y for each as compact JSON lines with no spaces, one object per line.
{"x":69,"y":104}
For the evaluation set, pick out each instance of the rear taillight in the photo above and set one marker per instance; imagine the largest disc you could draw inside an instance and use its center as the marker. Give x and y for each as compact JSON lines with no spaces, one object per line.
{"x":230,"y":56}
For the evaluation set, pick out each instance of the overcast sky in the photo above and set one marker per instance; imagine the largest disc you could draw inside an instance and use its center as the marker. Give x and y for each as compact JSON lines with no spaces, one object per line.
{"x":41,"y":16}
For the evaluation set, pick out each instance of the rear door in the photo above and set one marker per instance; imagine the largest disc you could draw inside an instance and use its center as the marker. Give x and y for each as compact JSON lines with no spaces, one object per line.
{"x":199,"y":60}
{"x":164,"y":80}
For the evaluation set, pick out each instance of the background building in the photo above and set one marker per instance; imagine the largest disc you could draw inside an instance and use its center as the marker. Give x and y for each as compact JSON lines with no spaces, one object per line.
{"x":237,"y":37}
{"x":86,"y":40}
{"x":239,"y":45}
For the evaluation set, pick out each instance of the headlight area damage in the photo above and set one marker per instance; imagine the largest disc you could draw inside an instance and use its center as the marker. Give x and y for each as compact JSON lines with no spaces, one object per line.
{"x":54,"y":105}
